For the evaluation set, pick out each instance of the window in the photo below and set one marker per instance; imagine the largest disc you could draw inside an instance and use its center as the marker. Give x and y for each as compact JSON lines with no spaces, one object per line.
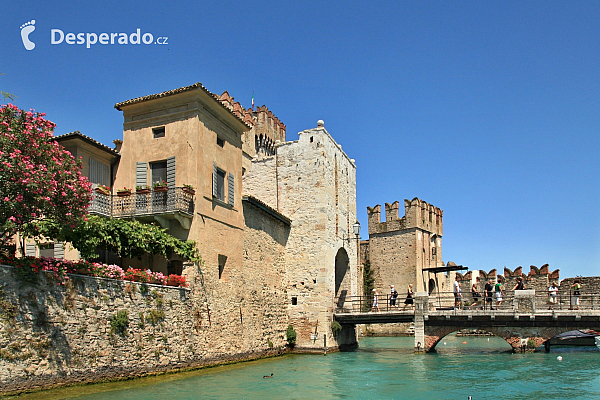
{"x":159,"y":171}
{"x":222,"y":261}
{"x":220,"y":142}
{"x":219,"y":183}
{"x":47,"y":250}
{"x":294,"y":301}
{"x":158,"y":132}
{"x":51,"y":250}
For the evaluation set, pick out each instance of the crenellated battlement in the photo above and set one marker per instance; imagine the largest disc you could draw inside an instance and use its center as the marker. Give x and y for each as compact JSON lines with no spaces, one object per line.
{"x":267,"y":129}
{"x":537,"y":278}
{"x":417,"y":214}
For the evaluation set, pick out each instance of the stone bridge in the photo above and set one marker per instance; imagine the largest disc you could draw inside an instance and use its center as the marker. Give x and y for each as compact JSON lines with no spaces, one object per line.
{"x":520,"y":323}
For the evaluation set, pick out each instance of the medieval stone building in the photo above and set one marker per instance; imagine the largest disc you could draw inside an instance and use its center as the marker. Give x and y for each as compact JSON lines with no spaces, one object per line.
{"x":406,"y":250}
{"x":313,"y":182}
{"x":272,"y":220}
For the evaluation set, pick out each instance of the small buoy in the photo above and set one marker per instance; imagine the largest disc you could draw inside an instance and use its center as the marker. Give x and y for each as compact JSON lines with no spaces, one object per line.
{"x":464,"y":342}
{"x":488,"y":339}
{"x":559,"y":358}
{"x":444,"y":343}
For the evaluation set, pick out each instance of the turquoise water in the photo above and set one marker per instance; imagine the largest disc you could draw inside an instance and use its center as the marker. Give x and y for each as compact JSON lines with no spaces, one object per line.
{"x":383,"y":368}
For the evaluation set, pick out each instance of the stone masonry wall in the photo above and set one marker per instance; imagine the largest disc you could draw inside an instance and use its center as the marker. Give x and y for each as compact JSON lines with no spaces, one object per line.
{"x":54,"y":335}
{"x":312,"y":182}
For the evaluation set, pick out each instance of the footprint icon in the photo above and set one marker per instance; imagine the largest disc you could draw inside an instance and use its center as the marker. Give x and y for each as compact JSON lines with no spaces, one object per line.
{"x":26,"y":29}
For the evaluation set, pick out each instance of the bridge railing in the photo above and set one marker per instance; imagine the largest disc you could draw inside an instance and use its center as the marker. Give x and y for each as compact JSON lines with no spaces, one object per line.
{"x":565,"y":300}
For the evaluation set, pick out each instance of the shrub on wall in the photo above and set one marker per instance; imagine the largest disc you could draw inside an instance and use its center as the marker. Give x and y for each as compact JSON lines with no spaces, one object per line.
{"x":119,"y":322}
{"x":290,"y":336}
{"x":335,"y":328}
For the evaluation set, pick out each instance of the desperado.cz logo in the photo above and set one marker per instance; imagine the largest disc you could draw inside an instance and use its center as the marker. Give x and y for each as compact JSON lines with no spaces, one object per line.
{"x":57,"y":36}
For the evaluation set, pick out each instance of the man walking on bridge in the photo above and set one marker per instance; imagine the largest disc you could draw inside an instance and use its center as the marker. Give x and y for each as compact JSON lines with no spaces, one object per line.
{"x":457,"y":294}
{"x":499,"y":293}
{"x":488,"y":294}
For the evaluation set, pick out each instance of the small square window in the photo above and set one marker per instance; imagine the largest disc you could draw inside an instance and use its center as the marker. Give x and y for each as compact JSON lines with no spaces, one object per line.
{"x":158,"y":132}
{"x":220,"y":142}
{"x":294,"y":301}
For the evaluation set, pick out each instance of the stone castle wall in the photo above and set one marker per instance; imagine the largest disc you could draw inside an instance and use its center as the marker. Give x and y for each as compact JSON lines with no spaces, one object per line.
{"x":400,"y":248}
{"x":313,"y":182}
{"x":54,"y":335}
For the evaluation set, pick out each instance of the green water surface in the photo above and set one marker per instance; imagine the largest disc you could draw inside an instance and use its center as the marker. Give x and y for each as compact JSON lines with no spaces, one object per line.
{"x":382,"y":368}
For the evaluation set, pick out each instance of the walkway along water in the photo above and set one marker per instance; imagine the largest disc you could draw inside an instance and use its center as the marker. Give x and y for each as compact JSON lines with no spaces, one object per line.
{"x":519,"y":320}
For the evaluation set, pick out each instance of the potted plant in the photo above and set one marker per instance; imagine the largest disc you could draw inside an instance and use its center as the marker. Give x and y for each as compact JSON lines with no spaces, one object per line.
{"x":124,"y":192}
{"x":145,"y":189}
{"x":176,"y":281}
{"x":103,"y":189}
{"x":160,"y":186}
{"x":189,"y":189}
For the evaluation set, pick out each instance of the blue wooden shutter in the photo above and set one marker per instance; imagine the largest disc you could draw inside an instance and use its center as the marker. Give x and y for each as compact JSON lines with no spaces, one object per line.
{"x":141,"y":172}
{"x":59,"y":250}
{"x":231,"y":191}
{"x":215,"y":181}
{"x":171,"y":172}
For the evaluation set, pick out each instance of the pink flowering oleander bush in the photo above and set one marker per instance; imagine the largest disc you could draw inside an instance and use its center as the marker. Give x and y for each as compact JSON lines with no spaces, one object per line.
{"x":59,"y":269}
{"x":39,"y":180}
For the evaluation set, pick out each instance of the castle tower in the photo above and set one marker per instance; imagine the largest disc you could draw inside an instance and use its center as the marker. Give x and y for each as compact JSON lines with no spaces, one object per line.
{"x":401,"y":248}
{"x":267,"y":130}
{"x":313,"y":182}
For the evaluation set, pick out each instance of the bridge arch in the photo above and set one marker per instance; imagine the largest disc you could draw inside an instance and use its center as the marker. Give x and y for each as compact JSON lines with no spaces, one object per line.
{"x":516,"y":337}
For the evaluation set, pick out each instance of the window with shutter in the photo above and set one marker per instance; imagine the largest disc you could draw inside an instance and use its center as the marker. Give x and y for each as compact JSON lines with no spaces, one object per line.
{"x":218,"y":183}
{"x":30,"y":249}
{"x":141,"y":173}
{"x":59,"y":250}
{"x":231,"y":191}
{"x":159,"y":171}
{"x":171,"y":172}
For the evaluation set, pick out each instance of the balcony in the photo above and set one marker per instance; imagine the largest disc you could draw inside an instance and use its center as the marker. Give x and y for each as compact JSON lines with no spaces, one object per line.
{"x":161,"y":206}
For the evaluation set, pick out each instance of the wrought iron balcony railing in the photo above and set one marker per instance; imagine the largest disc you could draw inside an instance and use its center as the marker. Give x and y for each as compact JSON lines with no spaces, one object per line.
{"x":147,"y":203}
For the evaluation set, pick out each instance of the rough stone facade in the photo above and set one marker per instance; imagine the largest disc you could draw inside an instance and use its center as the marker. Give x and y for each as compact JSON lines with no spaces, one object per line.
{"x":400,"y":248}
{"x":313,"y":182}
{"x":52,"y":335}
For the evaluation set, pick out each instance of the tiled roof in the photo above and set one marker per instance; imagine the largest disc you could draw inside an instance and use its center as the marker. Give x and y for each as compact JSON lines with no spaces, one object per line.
{"x":77,"y":134}
{"x":196,"y":85}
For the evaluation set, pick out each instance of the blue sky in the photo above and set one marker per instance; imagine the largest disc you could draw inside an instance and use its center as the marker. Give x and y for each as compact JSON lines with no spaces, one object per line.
{"x":488,"y":110}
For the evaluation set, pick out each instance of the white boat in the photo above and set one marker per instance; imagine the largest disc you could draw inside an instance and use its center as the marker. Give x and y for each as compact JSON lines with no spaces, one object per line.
{"x":597,"y":339}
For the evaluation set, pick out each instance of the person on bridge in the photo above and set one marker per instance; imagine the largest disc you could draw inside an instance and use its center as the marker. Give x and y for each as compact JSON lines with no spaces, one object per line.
{"x":576,"y":288}
{"x":476,"y":296}
{"x":552,"y":295}
{"x":519,"y":285}
{"x":488,"y":288}
{"x":498,"y":292}
{"x":457,"y":294}
{"x":375,"y":301}
{"x":409,"y":297}
{"x":393,"y":296}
